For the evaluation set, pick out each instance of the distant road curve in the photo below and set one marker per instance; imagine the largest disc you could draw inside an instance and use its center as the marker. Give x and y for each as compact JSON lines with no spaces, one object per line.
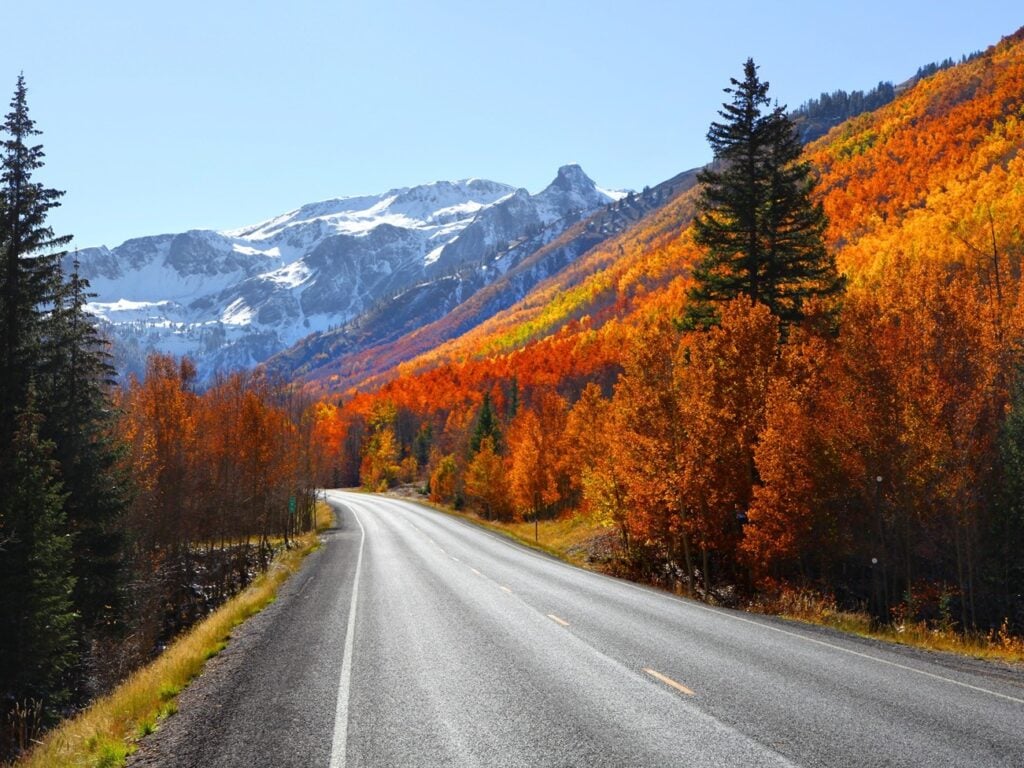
{"x":416,"y":639}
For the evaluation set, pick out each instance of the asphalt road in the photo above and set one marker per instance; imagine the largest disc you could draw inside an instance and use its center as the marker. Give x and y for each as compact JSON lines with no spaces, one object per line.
{"x":415,"y":639}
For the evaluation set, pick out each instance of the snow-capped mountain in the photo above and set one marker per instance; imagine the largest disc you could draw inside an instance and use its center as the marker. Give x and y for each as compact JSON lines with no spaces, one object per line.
{"x":233,"y":298}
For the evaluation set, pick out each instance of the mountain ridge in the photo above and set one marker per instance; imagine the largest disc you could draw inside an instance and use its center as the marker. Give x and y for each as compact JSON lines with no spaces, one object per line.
{"x":231,"y":298}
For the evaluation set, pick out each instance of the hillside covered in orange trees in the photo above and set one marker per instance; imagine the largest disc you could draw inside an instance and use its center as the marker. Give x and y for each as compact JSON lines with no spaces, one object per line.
{"x":879,"y":460}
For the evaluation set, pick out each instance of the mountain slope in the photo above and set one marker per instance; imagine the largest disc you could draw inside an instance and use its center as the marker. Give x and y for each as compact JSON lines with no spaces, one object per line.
{"x":418,"y":320}
{"x":935,"y":176}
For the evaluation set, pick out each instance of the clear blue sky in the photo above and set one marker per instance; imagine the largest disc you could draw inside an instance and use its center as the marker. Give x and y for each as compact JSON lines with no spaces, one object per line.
{"x":161,"y":117}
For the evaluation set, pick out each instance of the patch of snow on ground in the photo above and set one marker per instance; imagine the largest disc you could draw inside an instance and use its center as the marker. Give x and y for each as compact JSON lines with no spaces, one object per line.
{"x":237,"y":313}
{"x":614,"y":194}
{"x":291,"y":276}
{"x":433,"y":256}
{"x":248,"y":250}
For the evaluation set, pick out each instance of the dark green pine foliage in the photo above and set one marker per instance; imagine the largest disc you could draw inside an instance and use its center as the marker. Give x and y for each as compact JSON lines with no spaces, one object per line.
{"x":762,"y":231}
{"x":30,"y":254}
{"x":512,"y":400}
{"x":37,"y":643}
{"x":1007,"y":530}
{"x":76,"y":380}
{"x":487,"y":425}
{"x":422,"y":442}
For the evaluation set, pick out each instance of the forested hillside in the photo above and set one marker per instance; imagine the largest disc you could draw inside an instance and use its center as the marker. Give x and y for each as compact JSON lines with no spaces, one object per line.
{"x":871,"y":455}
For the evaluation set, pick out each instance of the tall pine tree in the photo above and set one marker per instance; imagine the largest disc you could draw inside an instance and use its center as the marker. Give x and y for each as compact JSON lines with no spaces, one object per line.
{"x":762,"y":231}
{"x":37,"y":645}
{"x":487,"y":426}
{"x":30,"y":254}
{"x":76,"y":379}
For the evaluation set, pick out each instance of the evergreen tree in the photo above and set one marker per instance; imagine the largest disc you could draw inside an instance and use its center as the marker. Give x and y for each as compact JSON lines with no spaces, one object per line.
{"x":37,"y":646}
{"x":762,"y":232}
{"x":30,"y":254}
{"x":1007,"y":531}
{"x":512,"y":401}
{"x":487,"y":426}
{"x":76,"y":378}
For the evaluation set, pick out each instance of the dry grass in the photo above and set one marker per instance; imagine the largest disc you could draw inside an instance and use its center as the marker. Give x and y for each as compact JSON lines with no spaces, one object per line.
{"x":323,"y":515}
{"x":105,"y":734}
{"x":565,"y":538}
{"x":814,"y":608}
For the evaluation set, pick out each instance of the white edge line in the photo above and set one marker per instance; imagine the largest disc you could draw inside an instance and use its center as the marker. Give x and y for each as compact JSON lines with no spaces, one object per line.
{"x":694,"y":604}
{"x":339,"y":743}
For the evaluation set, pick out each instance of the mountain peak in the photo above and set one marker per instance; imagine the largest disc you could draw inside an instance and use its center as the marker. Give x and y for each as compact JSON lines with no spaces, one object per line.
{"x":572,"y":177}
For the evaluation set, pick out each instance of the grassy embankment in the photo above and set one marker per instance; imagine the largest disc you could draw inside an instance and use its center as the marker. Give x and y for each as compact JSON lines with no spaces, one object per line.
{"x":569,"y":540}
{"x":103,"y":735}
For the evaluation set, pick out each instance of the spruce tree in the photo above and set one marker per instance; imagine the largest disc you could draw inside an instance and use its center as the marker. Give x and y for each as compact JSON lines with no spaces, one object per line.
{"x":762,"y":231}
{"x":37,"y":644}
{"x":1006,"y":534}
{"x":30,"y":254}
{"x":77,"y":378}
{"x":487,"y":426}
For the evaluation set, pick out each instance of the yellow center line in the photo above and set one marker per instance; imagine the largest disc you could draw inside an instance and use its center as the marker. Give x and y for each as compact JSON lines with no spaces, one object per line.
{"x":669,"y":681}
{"x":506,"y":588}
{"x":557,"y":620}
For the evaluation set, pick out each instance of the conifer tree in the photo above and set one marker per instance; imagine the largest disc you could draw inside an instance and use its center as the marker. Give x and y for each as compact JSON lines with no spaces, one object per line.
{"x":37,"y":644}
{"x":76,"y":378}
{"x":30,"y":254}
{"x":486,"y":427}
{"x":762,"y":231}
{"x":1007,"y":530}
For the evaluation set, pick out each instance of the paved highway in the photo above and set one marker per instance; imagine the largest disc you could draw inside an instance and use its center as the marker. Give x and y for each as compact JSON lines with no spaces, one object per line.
{"x":415,"y":639}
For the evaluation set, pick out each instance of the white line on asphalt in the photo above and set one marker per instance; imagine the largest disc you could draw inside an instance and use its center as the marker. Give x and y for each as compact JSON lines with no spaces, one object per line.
{"x":669,"y":681}
{"x":474,"y":570}
{"x":340,"y":741}
{"x":505,"y":588}
{"x":652,"y":592}
{"x":453,"y":557}
{"x":557,"y":620}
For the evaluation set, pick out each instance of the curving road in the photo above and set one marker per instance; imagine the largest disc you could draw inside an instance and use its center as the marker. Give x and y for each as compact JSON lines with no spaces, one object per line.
{"x":416,"y":639}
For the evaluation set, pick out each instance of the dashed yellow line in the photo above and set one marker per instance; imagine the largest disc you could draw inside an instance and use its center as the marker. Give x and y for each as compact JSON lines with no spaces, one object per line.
{"x":557,"y":620}
{"x":669,"y":681}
